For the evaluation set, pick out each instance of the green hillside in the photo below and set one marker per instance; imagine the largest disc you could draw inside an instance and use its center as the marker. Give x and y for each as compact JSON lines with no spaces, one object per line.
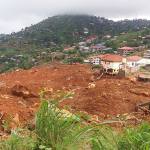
{"x":67,"y":29}
{"x":45,"y":41}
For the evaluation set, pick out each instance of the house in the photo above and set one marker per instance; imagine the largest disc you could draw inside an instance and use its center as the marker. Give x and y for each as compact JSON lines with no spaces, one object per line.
{"x":147,"y":54}
{"x":82,"y":43}
{"x":132,"y":64}
{"x":139,"y":48}
{"x":107,"y":50}
{"x":84,"y":48}
{"x":69,"y":48}
{"x":124,"y":51}
{"x":112,"y":63}
{"x":86,"y":30}
{"x":144,"y":62}
{"x":107,"y":36}
{"x":86,"y":61}
{"x":133,"y":61}
{"x":95,"y":60}
{"x":147,"y":37}
{"x":91,"y":38}
{"x":97,"y":47}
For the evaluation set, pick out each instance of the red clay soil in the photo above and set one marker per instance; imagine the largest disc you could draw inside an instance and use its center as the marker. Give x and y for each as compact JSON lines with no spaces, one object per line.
{"x":109,"y":96}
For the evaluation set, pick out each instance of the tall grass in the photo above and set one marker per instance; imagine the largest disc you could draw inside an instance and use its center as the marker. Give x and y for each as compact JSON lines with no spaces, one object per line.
{"x":104,"y":139}
{"x":135,"y":138}
{"x":18,"y":142}
{"x":59,"y":132}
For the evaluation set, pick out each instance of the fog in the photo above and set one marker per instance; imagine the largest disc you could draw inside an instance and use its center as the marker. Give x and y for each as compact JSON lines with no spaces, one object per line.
{"x":17,"y":14}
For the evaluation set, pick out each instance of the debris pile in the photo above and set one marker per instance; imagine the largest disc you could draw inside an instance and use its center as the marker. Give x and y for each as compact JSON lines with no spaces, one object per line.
{"x":104,"y":97}
{"x":22,"y":91}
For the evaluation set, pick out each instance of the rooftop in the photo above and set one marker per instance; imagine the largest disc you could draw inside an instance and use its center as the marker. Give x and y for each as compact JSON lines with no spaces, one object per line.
{"x":112,"y":58}
{"x":127,"y":48}
{"x":133,"y":58}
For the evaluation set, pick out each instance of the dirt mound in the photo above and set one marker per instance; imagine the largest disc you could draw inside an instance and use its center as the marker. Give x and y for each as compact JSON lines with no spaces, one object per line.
{"x":98,"y":97}
{"x":110,"y":96}
{"x":22,"y":91}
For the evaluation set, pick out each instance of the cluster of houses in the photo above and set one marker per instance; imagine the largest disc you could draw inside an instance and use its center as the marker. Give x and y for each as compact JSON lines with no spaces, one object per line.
{"x":123,"y":59}
{"x":88,"y":46}
{"x":94,"y":48}
{"x":113,"y":63}
{"x":100,"y":47}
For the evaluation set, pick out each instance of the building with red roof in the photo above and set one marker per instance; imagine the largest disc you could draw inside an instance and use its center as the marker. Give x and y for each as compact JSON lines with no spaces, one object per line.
{"x":133,"y":58}
{"x":112,"y":63}
{"x":112,"y":58}
{"x":91,"y":38}
{"x":124,"y":51}
{"x":132,"y":61}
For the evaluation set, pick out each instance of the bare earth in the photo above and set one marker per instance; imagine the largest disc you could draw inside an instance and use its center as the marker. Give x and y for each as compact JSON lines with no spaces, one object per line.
{"x":19,"y":91}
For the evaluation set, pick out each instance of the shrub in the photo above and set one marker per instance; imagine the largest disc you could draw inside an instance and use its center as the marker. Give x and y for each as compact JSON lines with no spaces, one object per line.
{"x":18,"y":142}
{"x":58,"y":131}
{"x":104,"y":139}
{"x":135,"y":138}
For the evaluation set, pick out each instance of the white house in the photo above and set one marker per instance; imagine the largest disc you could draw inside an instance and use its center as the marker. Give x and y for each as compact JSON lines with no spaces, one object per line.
{"x":147,"y":54}
{"x":112,"y":63}
{"x":144,"y":61}
{"x":95,"y":60}
{"x":133,"y":61}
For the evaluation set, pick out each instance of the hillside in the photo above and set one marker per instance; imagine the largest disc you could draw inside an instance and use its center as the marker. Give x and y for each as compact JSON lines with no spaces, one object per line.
{"x":45,"y":41}
{"x":68,"y":29}
{"x":131,"y":38}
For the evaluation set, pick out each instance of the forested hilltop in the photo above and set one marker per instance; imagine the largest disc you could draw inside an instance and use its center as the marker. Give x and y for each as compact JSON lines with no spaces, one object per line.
{"x":67,"y":29}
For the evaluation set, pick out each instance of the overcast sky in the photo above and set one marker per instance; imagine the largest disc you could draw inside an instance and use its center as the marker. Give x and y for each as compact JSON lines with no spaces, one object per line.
{"x":17,"y":14}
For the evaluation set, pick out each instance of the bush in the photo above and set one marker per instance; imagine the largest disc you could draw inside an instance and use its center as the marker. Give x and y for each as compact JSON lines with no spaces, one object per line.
{"x":135,"y":138}
{"x":74,"y":60}
{"x":57,"y":131}
{"x":104,"y":139}
{"x":19,"y":142}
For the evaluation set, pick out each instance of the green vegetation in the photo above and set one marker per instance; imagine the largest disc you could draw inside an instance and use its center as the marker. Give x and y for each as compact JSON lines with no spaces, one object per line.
{"x":57,"y":130}
{"x":130,"y":38}
{"x":19,"y":140}
{"x":135,"y":138}
{"x":45,"y":41}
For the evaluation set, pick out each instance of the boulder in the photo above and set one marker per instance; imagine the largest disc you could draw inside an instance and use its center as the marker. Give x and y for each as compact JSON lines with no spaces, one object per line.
{"x":22,"y":91}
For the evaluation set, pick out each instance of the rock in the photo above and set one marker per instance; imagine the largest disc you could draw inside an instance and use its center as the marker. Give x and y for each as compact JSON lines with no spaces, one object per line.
{"x":133,"y":79}
{"x":101,"y":115}
{"x":105,"y":95}
{"x":147,"y":94}
{"x":94,"y":118}
{"x":5,"y":96}
{"x":17,"y":70}
{"x":15,"y":122}
{"x":36,"y":104}
{"x":22,"y":91}
{"x":139,"y":92}
{"x":91,"y":85}
{"x":22,"y":103}
{"x":34,"y":71}
{"x":92,"y":78}
{"x":16,"y":119}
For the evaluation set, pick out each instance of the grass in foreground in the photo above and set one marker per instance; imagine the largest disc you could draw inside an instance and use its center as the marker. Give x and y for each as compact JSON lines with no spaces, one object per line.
{"x":57,"y":131}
